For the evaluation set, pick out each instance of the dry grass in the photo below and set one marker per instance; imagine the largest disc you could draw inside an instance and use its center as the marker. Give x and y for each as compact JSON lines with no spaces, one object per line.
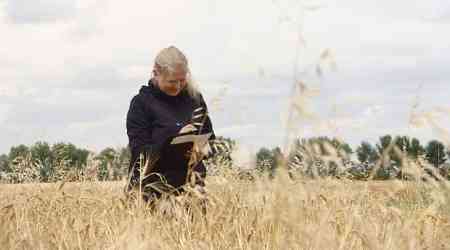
{"x":277,"y":214}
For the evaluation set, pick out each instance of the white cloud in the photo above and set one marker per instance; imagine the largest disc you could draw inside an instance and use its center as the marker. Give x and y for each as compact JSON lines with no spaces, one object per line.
{"x":8,"y":91}
{"x":72,"y":66}
{"x":39,"y":11}
{"x":237,"y":130}
{"x":4,"y":109}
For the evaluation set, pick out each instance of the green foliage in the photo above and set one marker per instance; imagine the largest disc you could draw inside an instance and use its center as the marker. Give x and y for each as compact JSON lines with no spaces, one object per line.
{"x":67,"y":153}
{"x":337,"y":146}
{"x":314,"y":157}
{"x":342,"y":148}
{"x":416,"y":149}
{"x":384,"y":143}
{"x":320,"y":156}
{"x":68,"y":161}
{"x":221,"y":151}
{"x":21,"y":166}
{"x":42,"y":156}
{"x":42,"y":161}
{"x":366,"y":153}
{"x":397,"y":148}
{"x":268,"y":160}
{"x":389,"y":155}
{"x":4,"y":164}
{"x":384,"y":148}
{"x":406,"y":148}
{"x":400,"y":149}
{"x":18,"y":151}
{"x":113,"y":163}
{"x":386,"y":172}
{"x":436,"y":153}
{"x":41,"y":151}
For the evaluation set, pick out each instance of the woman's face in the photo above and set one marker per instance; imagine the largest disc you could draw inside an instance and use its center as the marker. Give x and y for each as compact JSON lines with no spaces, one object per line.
{"x":172,"y":84}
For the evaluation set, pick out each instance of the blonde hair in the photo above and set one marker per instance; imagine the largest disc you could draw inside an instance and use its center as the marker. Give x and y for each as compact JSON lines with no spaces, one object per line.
{"x":171,"y":59}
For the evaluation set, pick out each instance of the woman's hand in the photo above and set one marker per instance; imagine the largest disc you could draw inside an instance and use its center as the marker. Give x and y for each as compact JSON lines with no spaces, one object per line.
{"x":188,"y":129}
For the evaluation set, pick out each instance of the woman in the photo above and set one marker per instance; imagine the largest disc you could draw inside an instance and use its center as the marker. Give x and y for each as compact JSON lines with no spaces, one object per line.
{"x":169,"y":103}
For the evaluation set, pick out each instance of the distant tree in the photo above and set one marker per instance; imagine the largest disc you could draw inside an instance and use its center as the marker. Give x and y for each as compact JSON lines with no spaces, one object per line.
{"x":389,"y":161}
{"x":392,"y":153}
{"x":42,"y":155}
{"x":81,"y":156}
{"x":21,"y":165}
{"x":121,"y":168}
{"x":18,"y":151}
{"x":412,"y":150}
{"x":329,"y":146}
{"x":68,"y":160}
{"x":220,"y":155}
{"x":401,"y":154}
{"x":338,"y":150}
{"x":23,"y":168}
{"x":402,"y":147}
{"x":366,"y":153}
{"x":399,"y":147}
{"x":4,"y":165}
{"x":384,"y":148}
{"x":268,"y":160}
{"x":319,"y":156}
{"x":383,"y":144}
{"x":436,"y":153}
{"x":265,"y":158}
{"x":69,"y":154}
{"x":106,"y":158}
{"x":416,"y":149}
{"x":341,"y":147}
{"x":302,"y":157}
{"x":125,"y":155}
{"x":41,"y":151}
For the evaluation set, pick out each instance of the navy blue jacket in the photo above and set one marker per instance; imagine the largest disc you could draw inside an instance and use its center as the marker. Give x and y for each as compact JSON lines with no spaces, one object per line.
{"x":153,"y":119}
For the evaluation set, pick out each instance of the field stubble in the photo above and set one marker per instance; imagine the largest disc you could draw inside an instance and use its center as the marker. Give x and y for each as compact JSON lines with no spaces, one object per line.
{"x":262,"y":214}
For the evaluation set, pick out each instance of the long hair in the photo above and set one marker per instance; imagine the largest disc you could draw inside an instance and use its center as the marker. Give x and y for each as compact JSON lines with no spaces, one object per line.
{"x":171,"y":59}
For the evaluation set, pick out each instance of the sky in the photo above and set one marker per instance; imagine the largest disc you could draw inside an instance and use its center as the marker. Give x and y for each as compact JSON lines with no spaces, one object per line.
{"x":69,"y":68}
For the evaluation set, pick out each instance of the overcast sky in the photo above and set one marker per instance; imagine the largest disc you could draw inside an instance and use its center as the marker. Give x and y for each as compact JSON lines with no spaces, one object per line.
{"x":68,"y":68}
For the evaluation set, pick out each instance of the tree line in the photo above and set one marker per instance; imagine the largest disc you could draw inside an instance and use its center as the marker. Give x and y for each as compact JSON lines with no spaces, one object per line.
{"x":43,"y":162}
{"x":388,"y":158}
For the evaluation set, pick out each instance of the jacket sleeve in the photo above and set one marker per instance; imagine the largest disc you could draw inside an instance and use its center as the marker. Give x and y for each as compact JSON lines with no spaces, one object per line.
{"x":139,"y":129}
{"x":207,"y":126}
{"x":137,"y":124}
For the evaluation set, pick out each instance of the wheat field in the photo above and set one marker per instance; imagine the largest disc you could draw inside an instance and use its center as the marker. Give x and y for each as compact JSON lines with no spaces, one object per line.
{"x":279,"y":213}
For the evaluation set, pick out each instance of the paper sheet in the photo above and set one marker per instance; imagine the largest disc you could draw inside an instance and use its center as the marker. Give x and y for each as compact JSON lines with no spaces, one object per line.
{"x":202,"y":139}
